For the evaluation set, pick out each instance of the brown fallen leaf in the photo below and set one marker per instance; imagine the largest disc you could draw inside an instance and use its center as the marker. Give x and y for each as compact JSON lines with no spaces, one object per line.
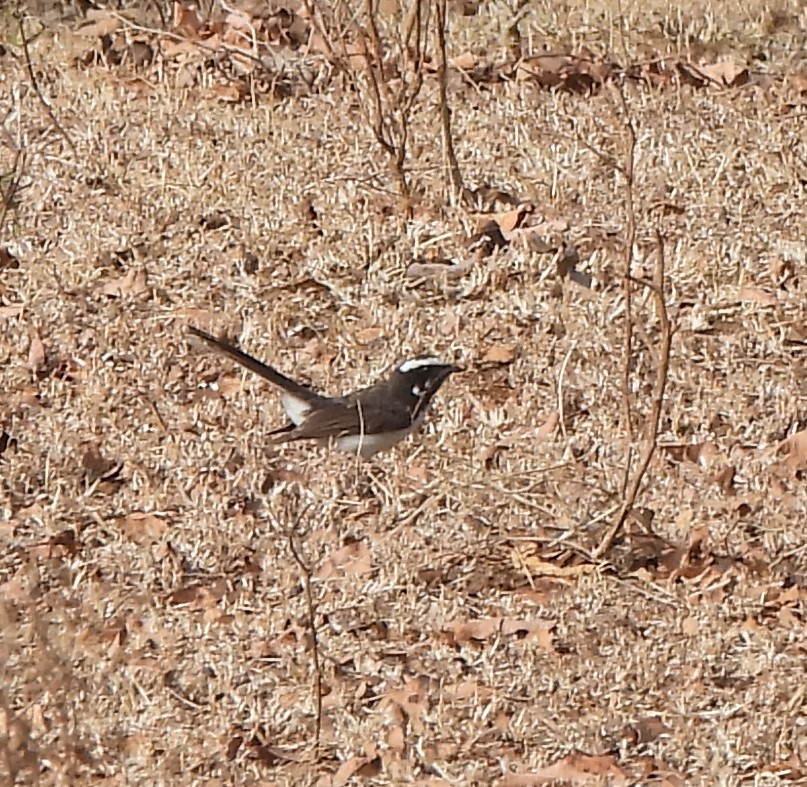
{"x":14,"y":589}
{"x":495,"y":230}
{"x":512,"y":219}
{"x":539,"y":567}
{"x":690,"y":626}
{"x":539,"y":237}
{"x":187,"y":20}
{"x":726,"y":73}
{"x":499,"y":354}
{"x":354,"y":559}
{"x":725,"y":479}
{"x":8,"y":260}
{"x":36,"y":353}
{"x":145,"y":528}
{"x":705,"y":454}
{"x":133,"y":282}
{"x":189,"y":594}
{"x":93,"y":461}
{"x":62,"y":544}
{"x":466,"y":631}
{"x":577,"y":768}
{"x":369,"y":335}
{"x":465,"y":62}
{"x":572,"y":73}
{"x":433,"y":270}
{"x":365,"y":767}
{"x":419,"y":473}
{"x":396,"y":739}
{"x":548,"y":427}
{"x":546,"y":69}
{"x":7,"y":312}
{"x":100,"y":22}
{"x":228,"y":94}
{"x":203,"y":318}
{"x":231,"y":385}
{"x":757,"y":295}
{"x":794,"y":451}
{"x":645,"y":730}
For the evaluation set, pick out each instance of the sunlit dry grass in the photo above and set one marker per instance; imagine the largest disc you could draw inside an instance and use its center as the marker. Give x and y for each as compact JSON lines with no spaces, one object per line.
{"x":176,"y":649}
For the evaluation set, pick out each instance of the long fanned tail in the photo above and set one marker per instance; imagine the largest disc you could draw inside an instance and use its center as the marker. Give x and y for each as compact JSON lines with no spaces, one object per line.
{"x":254,"y":365}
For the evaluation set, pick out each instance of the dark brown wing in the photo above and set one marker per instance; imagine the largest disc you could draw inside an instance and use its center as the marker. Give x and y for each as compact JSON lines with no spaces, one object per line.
{"x":348,"y":418}
{"x":254,"y":365}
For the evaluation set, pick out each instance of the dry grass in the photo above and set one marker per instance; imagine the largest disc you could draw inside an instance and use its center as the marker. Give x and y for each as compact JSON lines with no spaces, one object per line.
{"x":143,"y":652}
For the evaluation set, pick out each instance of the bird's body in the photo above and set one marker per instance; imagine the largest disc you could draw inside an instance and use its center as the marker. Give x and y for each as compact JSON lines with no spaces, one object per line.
{"x":364,"y":422}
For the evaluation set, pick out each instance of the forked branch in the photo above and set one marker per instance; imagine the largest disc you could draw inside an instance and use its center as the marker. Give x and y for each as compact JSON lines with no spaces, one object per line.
{"x":449,"y":155}
{"x":650,"y":437}
{"x":389,"y":78}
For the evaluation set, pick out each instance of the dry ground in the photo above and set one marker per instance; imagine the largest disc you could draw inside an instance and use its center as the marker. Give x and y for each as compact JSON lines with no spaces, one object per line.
{"x":155,"y":626}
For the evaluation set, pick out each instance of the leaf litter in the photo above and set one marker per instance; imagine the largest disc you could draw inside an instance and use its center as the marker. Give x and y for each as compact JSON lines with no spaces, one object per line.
{"x":463,"y":627}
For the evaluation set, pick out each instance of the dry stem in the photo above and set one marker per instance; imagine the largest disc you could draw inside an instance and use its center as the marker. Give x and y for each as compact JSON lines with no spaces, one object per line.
{"x":454,"y":174}
{"x":30,"y":68}
{"x":658,"y":288}
{"x":630,"y":240}
{"x":306,"y":574}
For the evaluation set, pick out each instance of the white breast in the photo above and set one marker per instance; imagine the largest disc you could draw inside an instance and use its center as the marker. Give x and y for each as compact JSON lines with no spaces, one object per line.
{"x":365,"y":445}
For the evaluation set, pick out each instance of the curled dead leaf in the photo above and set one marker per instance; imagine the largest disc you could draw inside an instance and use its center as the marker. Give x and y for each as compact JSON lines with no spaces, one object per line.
{"x":187,"y":20}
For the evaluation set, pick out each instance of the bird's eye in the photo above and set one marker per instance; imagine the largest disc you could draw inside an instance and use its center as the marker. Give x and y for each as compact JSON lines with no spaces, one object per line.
{"x":416,"y":390}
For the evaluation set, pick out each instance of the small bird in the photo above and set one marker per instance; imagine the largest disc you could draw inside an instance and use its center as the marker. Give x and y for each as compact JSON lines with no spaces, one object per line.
{"x":363,"y":422}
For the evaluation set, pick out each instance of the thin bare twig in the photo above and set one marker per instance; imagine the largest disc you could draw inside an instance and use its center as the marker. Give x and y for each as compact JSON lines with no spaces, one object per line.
{"x":561,"y":375}
{"x":658,"y":288}
{"x":30,"y":68}
{"x":376,"y":79}
{"x":387,"y":109}
{"x":627,"y":284}
{"x":307,"y":573}
{"x":454,"y":174}
{"x":8,"y":195}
